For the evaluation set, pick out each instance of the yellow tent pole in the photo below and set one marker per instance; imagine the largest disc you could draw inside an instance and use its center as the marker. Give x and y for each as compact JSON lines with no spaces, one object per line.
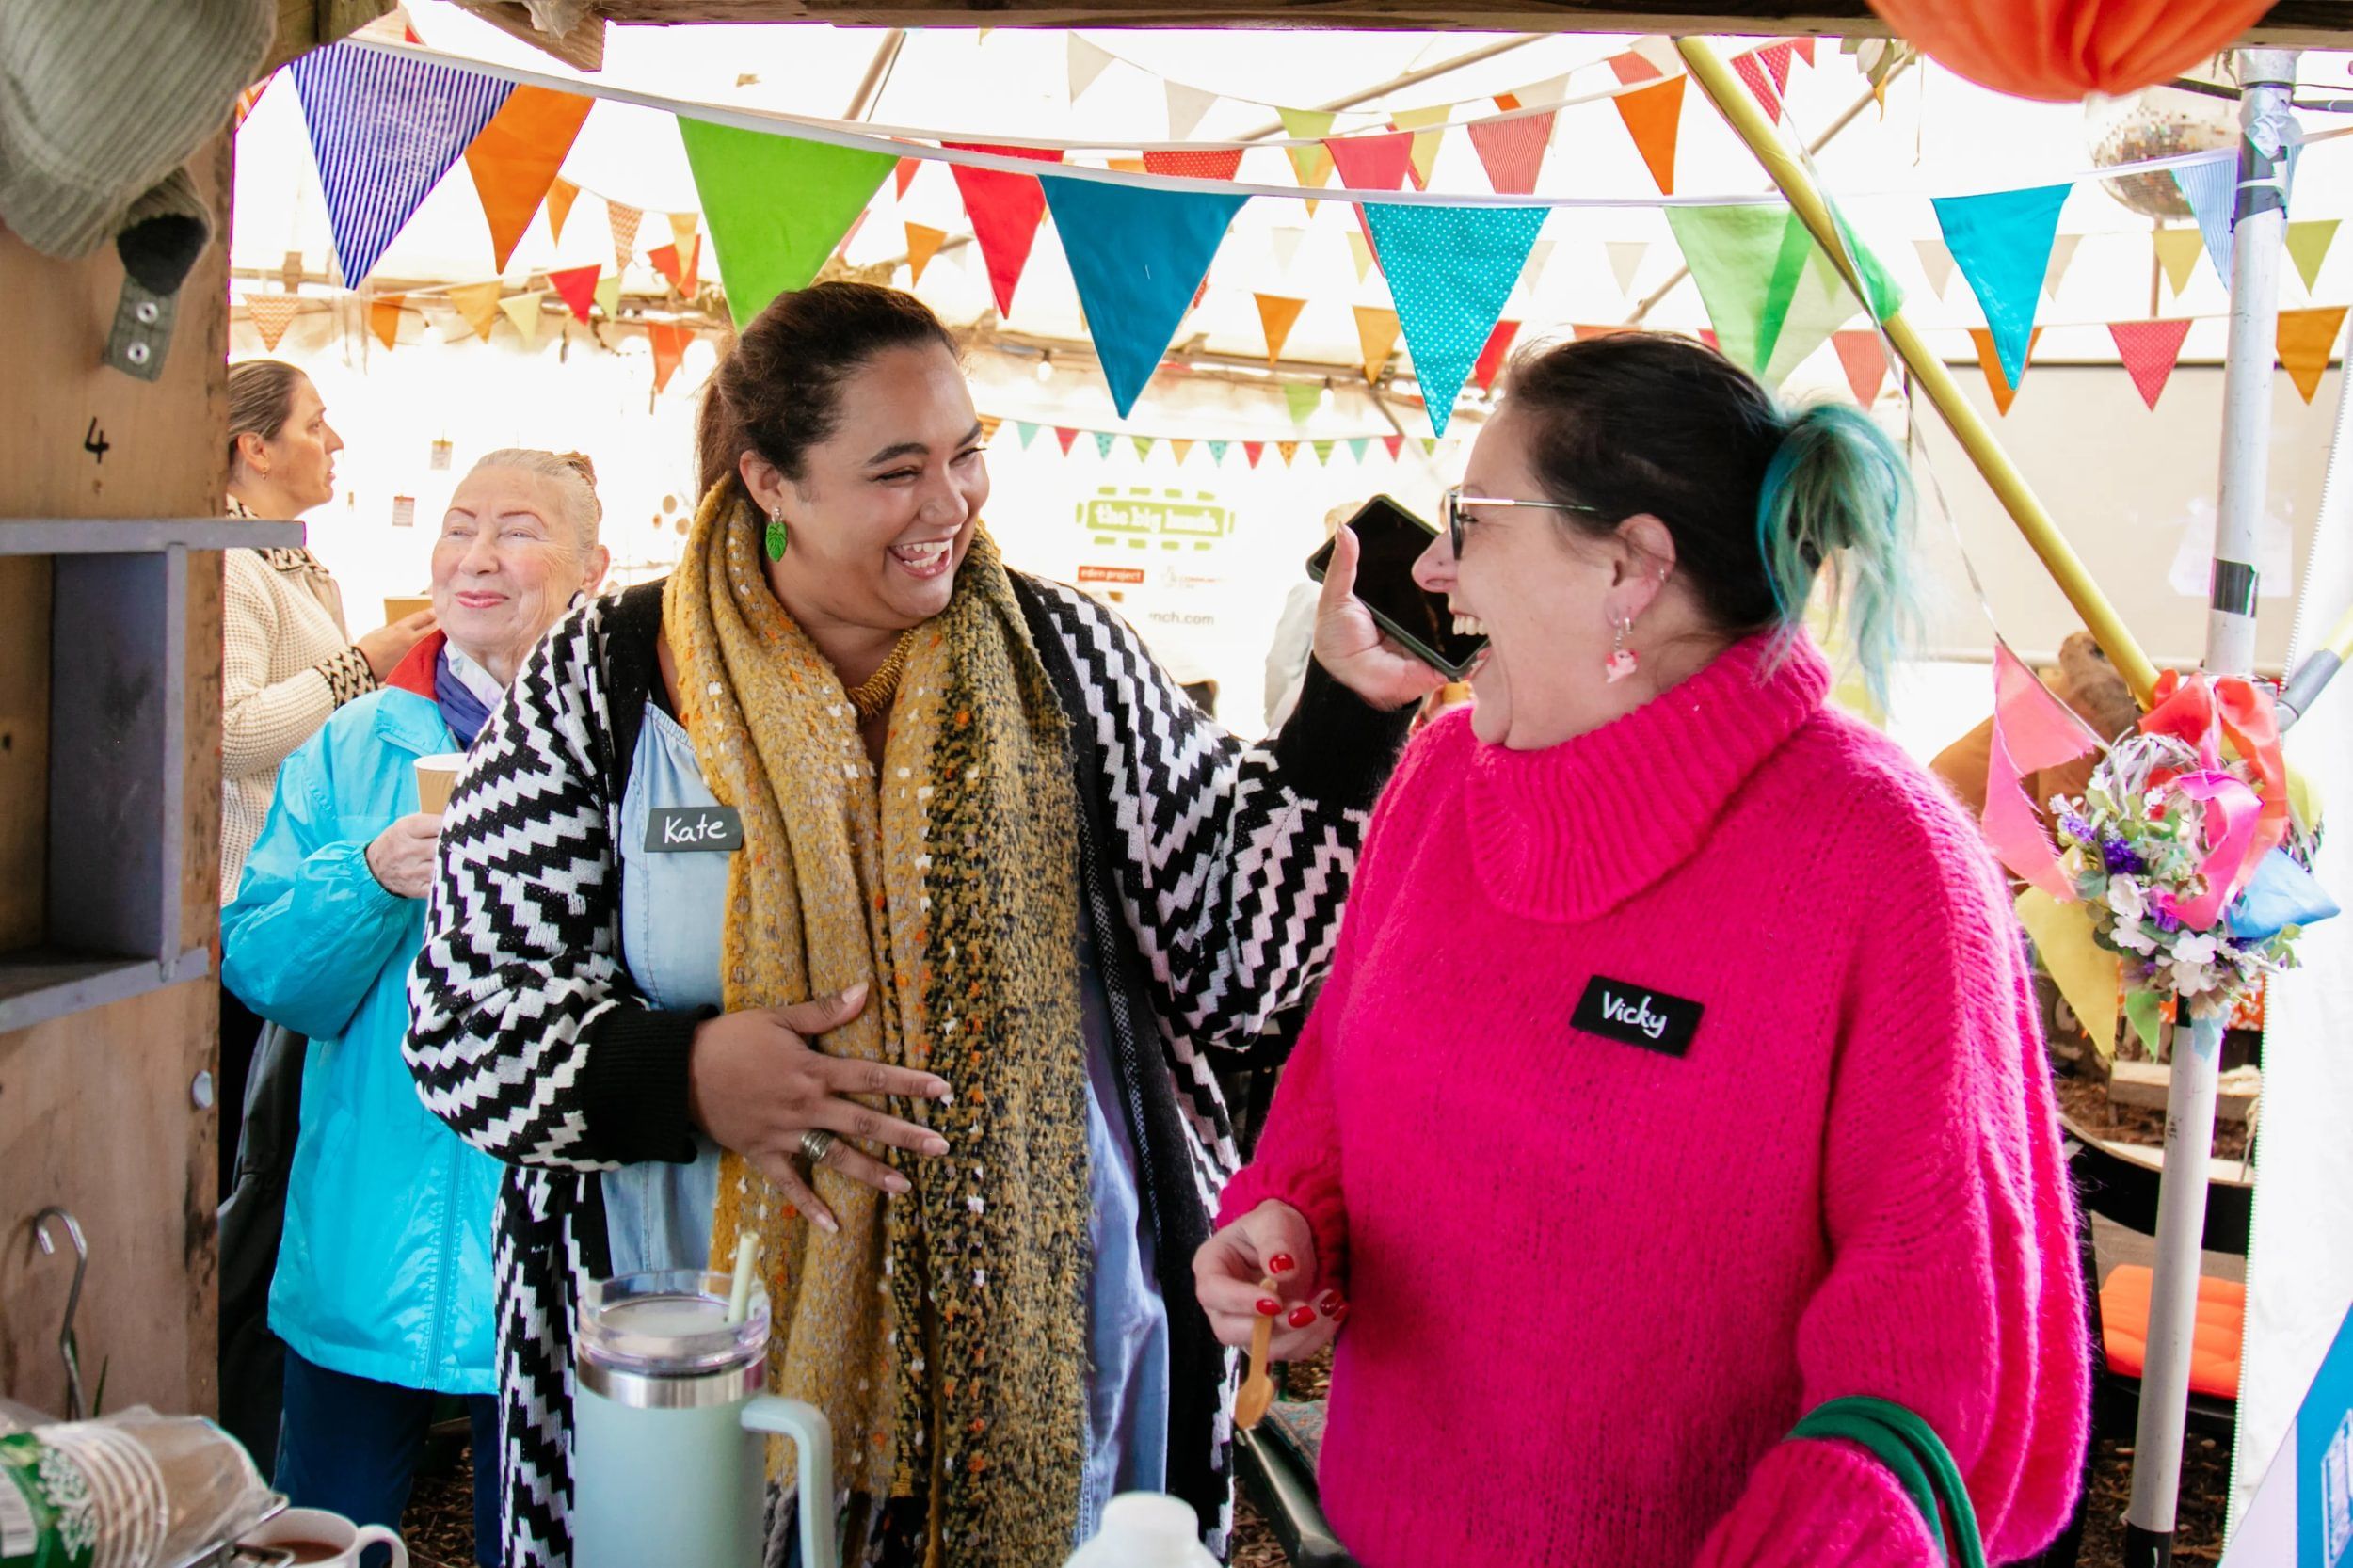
{"x":1747,"y":120}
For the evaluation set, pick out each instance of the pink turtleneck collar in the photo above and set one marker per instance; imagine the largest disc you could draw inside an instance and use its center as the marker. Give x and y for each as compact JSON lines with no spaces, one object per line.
{"x":1570,"y":832}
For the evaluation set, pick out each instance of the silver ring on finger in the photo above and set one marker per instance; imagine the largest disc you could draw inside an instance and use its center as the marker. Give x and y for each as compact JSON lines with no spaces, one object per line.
{"x":815,"y":1144}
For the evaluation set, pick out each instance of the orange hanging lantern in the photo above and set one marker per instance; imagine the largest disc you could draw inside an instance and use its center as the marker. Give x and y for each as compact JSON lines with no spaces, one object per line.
{"x":2060,"y":50}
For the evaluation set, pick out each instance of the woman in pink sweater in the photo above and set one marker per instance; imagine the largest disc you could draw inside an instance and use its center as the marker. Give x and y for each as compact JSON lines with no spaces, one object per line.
{"x":1679,"y":1069}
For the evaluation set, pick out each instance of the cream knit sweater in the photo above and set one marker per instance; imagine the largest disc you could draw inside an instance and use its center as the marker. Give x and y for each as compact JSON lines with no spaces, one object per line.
{"x":287,"y":664}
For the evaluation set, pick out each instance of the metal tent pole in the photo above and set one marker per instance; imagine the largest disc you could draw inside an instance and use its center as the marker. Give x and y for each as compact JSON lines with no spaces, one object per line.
{"x":2267,"y":80}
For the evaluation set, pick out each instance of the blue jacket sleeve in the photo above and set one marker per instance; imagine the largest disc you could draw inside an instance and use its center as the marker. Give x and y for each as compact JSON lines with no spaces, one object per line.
{"x":310,"y":928}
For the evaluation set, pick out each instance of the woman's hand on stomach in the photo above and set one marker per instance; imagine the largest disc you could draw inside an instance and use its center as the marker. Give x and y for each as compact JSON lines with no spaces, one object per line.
{"x":1271,"y":1242}
{"x":756,"y":1083}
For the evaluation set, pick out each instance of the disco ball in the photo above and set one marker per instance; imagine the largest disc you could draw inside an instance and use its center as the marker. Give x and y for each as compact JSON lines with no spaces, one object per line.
{"x":2157,"y":122}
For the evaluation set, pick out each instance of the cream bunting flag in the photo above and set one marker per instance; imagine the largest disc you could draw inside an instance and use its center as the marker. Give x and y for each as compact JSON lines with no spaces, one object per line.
{"x":2062,"y":255}
{"x":1087,"y":63}
{"x":1361,"y":249}
{"x":2178,"y":251}
{"x":1427,"y":125}
{"x":1186,"y":105}
{"x":523,"y":311}
{"x":609,"y":297}
{"x":2308,"y":243}
{"x":1625,"y":261}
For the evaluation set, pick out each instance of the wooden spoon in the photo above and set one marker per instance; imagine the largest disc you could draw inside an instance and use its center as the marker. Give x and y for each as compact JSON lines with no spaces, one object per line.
{"x":1258,"y":1389}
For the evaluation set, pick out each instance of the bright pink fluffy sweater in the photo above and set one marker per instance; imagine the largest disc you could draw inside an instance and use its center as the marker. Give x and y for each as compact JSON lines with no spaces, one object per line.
{"x":1593,"y":1284}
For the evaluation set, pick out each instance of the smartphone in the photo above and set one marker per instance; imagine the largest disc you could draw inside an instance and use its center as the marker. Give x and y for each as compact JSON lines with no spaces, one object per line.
{"x":1390,"y":540}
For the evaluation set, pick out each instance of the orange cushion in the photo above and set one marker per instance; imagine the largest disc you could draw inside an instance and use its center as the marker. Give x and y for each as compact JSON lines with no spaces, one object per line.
{"x":2213,"y":1346}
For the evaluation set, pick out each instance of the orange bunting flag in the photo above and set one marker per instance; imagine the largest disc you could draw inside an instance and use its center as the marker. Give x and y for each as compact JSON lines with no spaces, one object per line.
{"x":669,"y":340}
{"x":562,"y":193}
{"x":384,"y":317}
{"x":677,"y":265}
{"x":1376,"y":334}
{"x":272,"y":314}
{"x":624,"y":221}
{"x":1276,"y":314}
{"x":1863,"y":358}
{"x":515,"y":158}
{"x":1127,"y":166}
{"x":1653,"y":115}
{"x":1181,"y":447}
{"x":923,"y":242}
{"x":576,"y":285}
{"x":990,"y":424}
{"x":2150,"y":349}
{"x":1989,"y":360}
{"x":477,"y":304}
{"x":2305,"y":338}
{"x":1289,"y":450}
{"x":904,"y":173}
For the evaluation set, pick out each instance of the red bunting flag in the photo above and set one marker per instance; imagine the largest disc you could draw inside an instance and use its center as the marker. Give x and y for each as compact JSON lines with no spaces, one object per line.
{"x":1776,"y":58}
{"x":1006,"y":210}
{"x":2150,"y":350}
{"x":1254,"y":451}
{"x":1752,"y":72}
{"x":1372,"y":163}
{"x":1631,"y":68}
{"x":1393,"y":443}
{"x":904,"y":173}
{"x":1864,"y":359}
{"x":669,"y":340}
{"x":1490,"y":362}
{"x":679,"y":269}
{"x":1653,"y":115}
{"x":1210,"y":163}
{"x":1066,"y":435}
{"x":1707,"y":336}
{"x":1805,"y":48}
{"x":515,"y":158}
{"x":577,"y":287}
{"x":1512,"y":151}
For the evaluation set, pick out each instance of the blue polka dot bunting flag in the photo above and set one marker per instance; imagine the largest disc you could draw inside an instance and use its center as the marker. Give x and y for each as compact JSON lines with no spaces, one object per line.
{"x":1451,"y":270}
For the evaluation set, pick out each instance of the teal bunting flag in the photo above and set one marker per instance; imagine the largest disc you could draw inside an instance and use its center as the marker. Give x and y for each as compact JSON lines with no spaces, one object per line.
{"x":1136,"y":256}
{"x":1102,"y":443}
{"x":2002,"y":242}
{"x":1356,"y":448}
{"x":1449,"y":269}
{"x":1027,"y":431}
{"x":1217,"y":452}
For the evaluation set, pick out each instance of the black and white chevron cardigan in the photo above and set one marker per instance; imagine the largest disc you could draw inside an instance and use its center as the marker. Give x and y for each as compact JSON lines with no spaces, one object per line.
{"x":1211,"y":873}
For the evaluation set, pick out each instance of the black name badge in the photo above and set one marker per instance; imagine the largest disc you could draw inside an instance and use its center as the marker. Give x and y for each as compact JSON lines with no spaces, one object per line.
{"x":675,"y":829}
{"x":1637,"y":1015}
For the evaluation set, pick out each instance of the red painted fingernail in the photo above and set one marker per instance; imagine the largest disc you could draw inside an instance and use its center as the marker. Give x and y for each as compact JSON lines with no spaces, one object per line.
{"x":1330,"y":1301}
{"x":1281,"y":1263}
{"x":1301,"y":1316}
{"x":1338,"y":1314}
{"x":1268,"y":1306}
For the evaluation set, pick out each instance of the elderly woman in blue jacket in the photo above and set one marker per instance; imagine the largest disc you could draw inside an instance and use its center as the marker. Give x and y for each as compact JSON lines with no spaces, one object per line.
{"x":383,"y":1288}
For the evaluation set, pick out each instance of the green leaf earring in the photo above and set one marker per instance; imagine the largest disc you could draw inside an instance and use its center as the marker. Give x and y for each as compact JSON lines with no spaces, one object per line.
{"x":778,"y":536}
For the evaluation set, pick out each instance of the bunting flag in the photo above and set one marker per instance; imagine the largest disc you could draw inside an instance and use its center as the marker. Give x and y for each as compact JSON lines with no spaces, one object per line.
{"x":1127,"y":166}
{"x":1179,"y":449}
{"x":2062,"y":256}
{"x":1358,"y":446}
{"x":1396,"y":443}
{"x":1103,"y":444}
{"x":1376,"y":335}
{"x":768,"y":245}
{"x":385,"y":128}
{"x":1654,"y":116}
{"x":1430,"y":446}
{"x":562,"y":193}
{"x":523,"y":311}
{"x":1625,"y":261}
{"x":247,"y":99}
{"x":1805,"y":48}
{"x":1630,"y":68}
{"x":1750,"y":66}
{"x":990,"y":424}
{"x":668,"y":262}
{"x":1288,"y":449}
{"x":2210,"y":189}
{"x":1027,"y":431}
{"x":515,"y":158}
{"x":2032,"y":731}
{"x":1313,"y":164}
{"x":609,"y":295}
{"x":1254,"y":451}
{"x":923,"y":242}
{"x":1588,"y":332}
{"x":1186,"y":105}
{"x":384,"y":313}
{"x":272,"y":314}
{"x":1323,"y":451}
{"x":1863,"y":358}
{"x":1989,"y":360}
{"x":1064,"y":435}
{"x":1512,"y":151}
{"x":2304,"y":340}
{"x":1217,"y":453}
{"x":1491,"y":356}
{"x":577,"y":287}
{"x":1284,"y":244}
{"x":1937,"y":263}
{"x":1360,"y":249}
{"x":903,"y":175}
{"x":1005,"y":210}
{"x":1142,"y":445}
{"x":2150,"y":349}
{"x":477,"y":304}
{"x":1449,"y":270}
{"x":624,"y":220}
{"x":2002,"y":242}
{"x":1087,"y":63}
{"x":669,"y":340}
{"x":1539,"y":256}
{"x":1276,"y":314}
{"x":1208,"y":163}
{"x":2178,"y":251}
{"x":1428,"y":128}
{"x":2308,"y":243}
{"x":1776,"y":58}
{"x":1372,"y":163}
{"x":1303,"y":399}
{"x":1748,"y":261}
{"x":1136,"y":257}
{"x":685,"y":229}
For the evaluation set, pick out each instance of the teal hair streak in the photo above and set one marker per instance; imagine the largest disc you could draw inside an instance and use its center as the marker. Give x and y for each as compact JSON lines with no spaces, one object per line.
{"x":1837,"y":495}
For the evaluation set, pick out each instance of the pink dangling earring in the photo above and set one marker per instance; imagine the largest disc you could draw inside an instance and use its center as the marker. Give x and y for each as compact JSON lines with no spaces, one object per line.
{"x":1621,"y":661}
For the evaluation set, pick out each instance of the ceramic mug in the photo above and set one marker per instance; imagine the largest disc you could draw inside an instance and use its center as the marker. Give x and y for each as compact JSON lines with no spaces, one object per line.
{"x":325,"y":1540}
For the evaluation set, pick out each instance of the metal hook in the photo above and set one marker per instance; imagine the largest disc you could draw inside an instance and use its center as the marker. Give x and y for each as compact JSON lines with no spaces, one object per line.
{"x":67,"y":1350}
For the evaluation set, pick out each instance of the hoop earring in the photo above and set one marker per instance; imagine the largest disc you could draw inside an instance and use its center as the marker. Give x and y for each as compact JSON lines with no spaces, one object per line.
{"x":780,"y":536}
{"x":1622,"y":661}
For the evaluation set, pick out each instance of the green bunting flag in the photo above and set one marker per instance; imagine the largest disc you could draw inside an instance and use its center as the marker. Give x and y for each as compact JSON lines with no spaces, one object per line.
{"x":777,"y":206}
{"x":1303,"y":399}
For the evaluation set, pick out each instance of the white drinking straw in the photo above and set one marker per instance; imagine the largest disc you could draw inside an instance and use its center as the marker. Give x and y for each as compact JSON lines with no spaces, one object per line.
{"x":740,"y":1291}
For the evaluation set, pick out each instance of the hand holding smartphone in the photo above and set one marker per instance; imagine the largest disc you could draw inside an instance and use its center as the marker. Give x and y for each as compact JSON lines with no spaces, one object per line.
{"x":1390,"y":540}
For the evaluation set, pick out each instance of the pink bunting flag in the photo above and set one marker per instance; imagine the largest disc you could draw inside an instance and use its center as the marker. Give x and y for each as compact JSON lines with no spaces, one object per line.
{"x":2150,"y":349}
{"x":1863,"y":358}
{"x":1631,"y":68}
{"x":1005,"y":210}
{"x":1752,"y":72}
{"x":1373,"y":163}
{"x":1805,"y":48}
{"x":1395,"y":444}
{"x":1776,"y":58}
{"x":2032,"y":731}
{"x":1512,"y":151}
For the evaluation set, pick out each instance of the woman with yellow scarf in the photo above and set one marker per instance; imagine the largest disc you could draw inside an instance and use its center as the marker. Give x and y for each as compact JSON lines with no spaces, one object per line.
{"x":932,"y":1016}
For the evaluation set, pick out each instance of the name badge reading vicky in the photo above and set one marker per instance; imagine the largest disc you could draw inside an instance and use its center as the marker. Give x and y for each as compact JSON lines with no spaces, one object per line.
{"x":677,"y":829}
{"x":1637,"y":1015}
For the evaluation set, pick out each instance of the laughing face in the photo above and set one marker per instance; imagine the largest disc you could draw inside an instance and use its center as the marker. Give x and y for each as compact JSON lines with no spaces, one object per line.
{"x":883,"y":510}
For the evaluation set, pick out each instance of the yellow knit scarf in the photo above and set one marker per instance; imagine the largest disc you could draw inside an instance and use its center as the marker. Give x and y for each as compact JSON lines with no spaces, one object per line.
{"x":942,"y":1332}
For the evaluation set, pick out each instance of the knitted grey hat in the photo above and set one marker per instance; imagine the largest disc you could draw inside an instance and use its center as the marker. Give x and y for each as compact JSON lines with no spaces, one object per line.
{"x":100,"y":103}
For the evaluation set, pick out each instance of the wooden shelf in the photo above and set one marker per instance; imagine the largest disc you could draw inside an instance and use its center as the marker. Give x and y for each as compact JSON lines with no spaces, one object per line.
{"x":40,"y":983}
{"x":142,"y":536}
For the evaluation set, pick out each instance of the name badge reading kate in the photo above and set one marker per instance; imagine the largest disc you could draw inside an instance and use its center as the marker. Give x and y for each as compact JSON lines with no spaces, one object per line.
{"x":675,"y":829}
{"x":1637,"y":1015}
